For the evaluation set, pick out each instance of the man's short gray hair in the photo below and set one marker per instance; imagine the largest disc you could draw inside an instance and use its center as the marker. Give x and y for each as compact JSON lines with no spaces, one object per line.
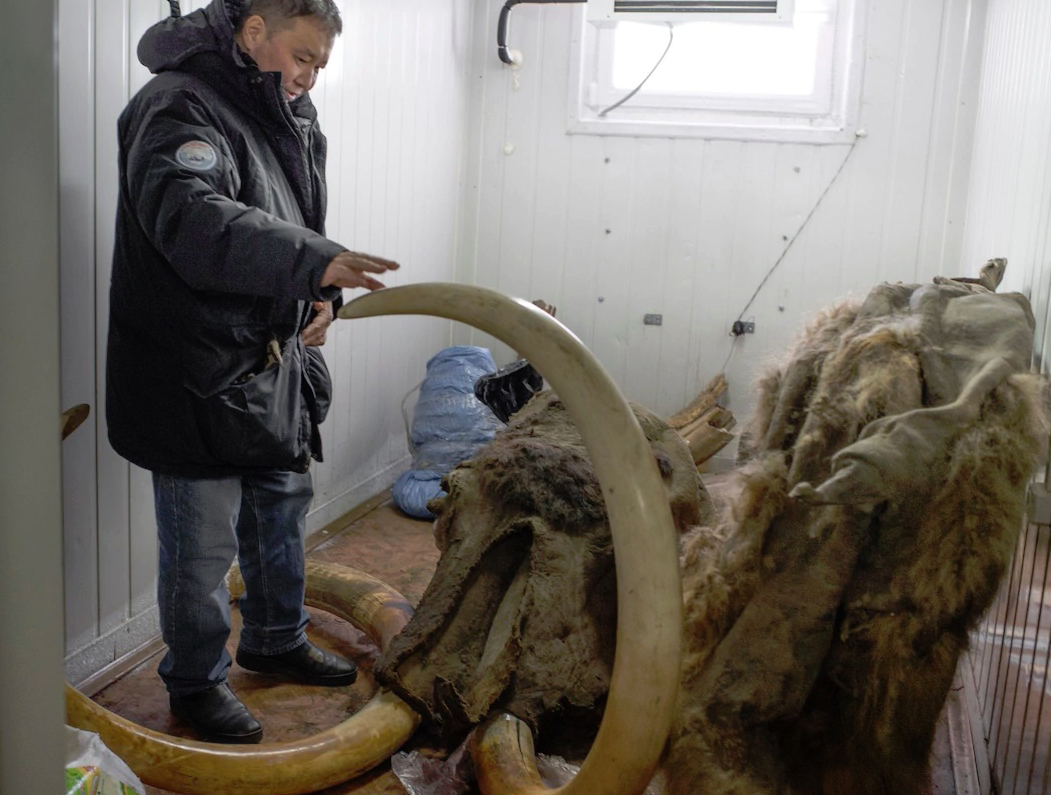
{"x":279,"y":13}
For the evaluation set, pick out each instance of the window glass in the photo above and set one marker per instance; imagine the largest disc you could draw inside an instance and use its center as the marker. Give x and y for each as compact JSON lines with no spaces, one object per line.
{"x":721,"y":57}
{"x":735,"y":73}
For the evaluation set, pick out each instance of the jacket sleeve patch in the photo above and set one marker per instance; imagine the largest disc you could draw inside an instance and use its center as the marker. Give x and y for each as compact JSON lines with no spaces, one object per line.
{"x":197,"y":155}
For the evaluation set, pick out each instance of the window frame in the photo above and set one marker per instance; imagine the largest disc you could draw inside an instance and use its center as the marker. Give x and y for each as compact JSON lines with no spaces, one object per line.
{"x":751,"y":118}
{"x":604,"y":11}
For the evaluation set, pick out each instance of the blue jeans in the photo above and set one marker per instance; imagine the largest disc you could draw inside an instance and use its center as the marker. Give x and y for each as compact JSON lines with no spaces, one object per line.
{"x":202,"y":524}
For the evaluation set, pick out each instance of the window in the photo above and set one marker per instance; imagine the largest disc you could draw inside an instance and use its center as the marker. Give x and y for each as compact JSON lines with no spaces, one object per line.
{"x":677,"y":10}
{"x":747,"y":77}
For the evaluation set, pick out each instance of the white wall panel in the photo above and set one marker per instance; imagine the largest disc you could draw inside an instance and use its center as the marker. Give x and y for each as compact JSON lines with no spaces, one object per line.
{"x":395,"y":180}
{"x":694,"y":226}
{"x":77,"y":251}
{"x":1009,"y":208}
{"x":111,"y":93}
{"x":1009,"y":215}
{"x":393,"y":104}
{"x":956,"y":100}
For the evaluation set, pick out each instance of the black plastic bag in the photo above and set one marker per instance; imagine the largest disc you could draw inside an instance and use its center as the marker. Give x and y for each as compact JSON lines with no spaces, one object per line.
{"x":509,"y":388}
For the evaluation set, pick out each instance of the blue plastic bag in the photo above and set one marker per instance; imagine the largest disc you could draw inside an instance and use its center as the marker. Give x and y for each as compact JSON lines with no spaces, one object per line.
{"x":449,"y":425}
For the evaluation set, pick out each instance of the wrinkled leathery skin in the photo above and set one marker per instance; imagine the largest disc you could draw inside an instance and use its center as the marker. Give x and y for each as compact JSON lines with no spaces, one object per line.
{"x":335,"y":755}
{"x":645,"y":677}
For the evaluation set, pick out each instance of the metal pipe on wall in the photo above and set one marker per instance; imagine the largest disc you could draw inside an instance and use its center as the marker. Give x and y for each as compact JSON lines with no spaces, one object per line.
{"x":501,"y":26}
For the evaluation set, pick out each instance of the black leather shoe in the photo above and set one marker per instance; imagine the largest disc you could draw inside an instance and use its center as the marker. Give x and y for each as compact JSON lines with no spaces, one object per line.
{"x":217,"y":715}
{"x":306,"y":663}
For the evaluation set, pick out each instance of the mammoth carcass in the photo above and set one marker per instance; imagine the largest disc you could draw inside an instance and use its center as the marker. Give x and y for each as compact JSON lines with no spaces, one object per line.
{"x":883,"y":494}
{"x":827,"y":601}
{"x":521,"y":612}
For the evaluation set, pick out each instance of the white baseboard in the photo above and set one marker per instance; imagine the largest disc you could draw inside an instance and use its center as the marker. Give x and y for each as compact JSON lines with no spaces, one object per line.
{"x":348,"y":501}
{"x":120,"y":650}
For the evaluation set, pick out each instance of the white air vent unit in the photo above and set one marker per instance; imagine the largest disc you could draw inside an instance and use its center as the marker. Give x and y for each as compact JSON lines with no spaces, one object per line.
{"x":607,"y":11}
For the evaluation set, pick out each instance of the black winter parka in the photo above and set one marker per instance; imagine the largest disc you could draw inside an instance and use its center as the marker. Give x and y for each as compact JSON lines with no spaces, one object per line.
{"x":219,"y":251}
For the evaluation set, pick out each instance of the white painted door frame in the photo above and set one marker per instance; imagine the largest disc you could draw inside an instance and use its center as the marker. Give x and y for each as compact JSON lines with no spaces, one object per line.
{"x":32,"y":709}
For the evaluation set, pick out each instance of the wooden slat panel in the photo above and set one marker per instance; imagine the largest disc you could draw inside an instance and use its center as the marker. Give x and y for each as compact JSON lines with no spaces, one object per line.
{"x":142,"y":542}
{"x":709,"y":345}
{"x":111,"y":48}
{"x":963,"y":28}
{"x":376,"y":410}
{"x":647,"y":272}
{"x":142,"y":523}
{"x":676,"y":372}
{"x":77,"y":240}
{"x":341,"y":226}
{"x":576,"y":292}
{"x":914,"y":103}
{"x":550,"y":228}
{"x":617,"y":199}
{"x":871,"y":164}
{"x":402,"y":125}
{"x":757,"y":243}
{"x":518,"y":211}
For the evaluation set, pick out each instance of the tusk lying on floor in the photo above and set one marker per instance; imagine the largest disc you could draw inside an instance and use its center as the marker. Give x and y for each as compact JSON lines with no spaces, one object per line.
{"x":645,"y":677}
{"x":335,"y":755}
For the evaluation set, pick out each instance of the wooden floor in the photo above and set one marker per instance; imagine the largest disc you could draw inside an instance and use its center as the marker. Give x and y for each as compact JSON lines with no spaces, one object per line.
{"x":384,"y":542}
{"x":400,"y":551}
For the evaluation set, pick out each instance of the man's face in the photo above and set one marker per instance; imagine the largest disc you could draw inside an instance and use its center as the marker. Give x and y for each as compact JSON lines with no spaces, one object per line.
{"x":298,"y":50}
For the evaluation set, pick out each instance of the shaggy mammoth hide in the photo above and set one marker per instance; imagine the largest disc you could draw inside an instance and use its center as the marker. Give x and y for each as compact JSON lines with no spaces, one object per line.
{"x":871,"y":524}
{"x":521,"y":612}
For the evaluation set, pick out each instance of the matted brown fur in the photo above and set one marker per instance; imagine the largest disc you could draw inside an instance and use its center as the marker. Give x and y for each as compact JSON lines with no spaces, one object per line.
{"x":521,"y":612}
{"x":821,"y":639}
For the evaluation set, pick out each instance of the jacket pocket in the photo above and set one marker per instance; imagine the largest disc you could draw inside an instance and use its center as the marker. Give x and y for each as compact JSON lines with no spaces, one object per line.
{"x":260,"y":422}
{"x":319,"y":381}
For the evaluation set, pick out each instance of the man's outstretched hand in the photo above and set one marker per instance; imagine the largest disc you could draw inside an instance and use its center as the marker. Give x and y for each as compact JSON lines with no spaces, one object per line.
{"x":350,"y":269}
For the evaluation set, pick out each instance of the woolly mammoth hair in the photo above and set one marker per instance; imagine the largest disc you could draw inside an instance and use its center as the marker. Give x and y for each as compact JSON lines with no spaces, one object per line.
{"x":849,"y":701}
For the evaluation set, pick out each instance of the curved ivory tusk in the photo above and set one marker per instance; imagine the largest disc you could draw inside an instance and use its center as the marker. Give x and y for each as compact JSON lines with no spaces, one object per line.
{"x":649,"y":597}
{"x":503,"y":756}
{"x":72,"y":418}
{"x":356,"y":745}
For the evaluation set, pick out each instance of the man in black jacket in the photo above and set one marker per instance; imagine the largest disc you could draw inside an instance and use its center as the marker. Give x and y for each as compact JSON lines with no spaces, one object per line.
{"x":223,"y":287}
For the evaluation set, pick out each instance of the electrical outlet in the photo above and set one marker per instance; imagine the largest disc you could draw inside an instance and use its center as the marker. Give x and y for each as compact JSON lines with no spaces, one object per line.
{"x":652,"y":320}
{"x":742,"y":327}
